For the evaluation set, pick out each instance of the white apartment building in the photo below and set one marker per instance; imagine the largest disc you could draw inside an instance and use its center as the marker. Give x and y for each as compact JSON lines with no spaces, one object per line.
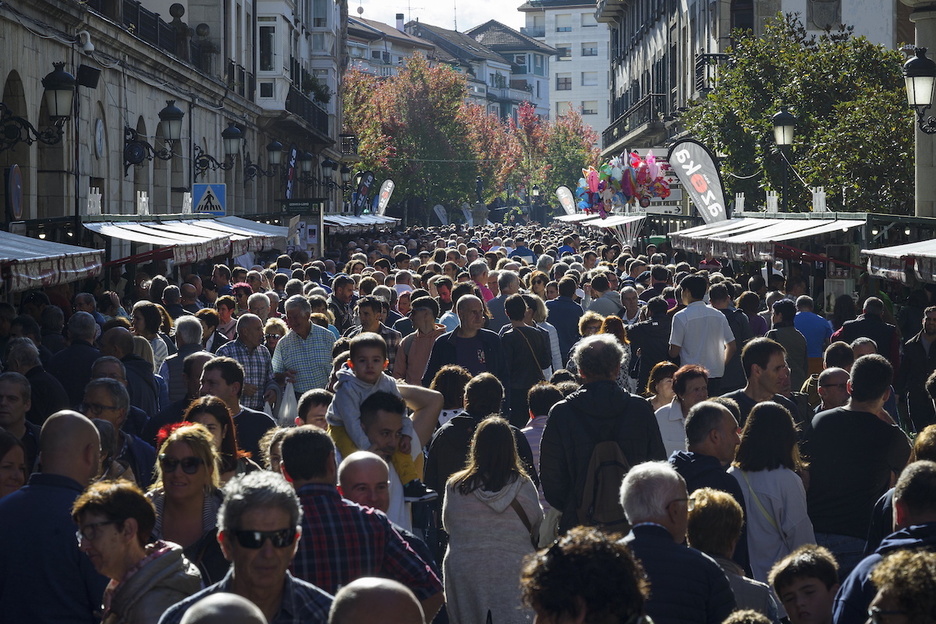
{"x":380,"y":49}
{"x":580,"y":73}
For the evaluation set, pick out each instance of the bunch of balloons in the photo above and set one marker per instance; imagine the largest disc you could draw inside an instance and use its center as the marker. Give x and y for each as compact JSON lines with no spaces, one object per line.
{"x":625,"y":179}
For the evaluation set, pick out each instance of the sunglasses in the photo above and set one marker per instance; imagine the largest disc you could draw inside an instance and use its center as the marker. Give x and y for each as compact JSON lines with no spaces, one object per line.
{"x":190,"y":465}
{"x":254,"y":539}
{"x":272,"y":336}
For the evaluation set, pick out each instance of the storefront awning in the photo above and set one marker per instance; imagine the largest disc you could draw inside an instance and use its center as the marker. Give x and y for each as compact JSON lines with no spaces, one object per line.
{"x":894,"y":262}
{"x":35,"y":263}
{"x":185,"y":245}
{"x":754,"y":239}
{"x":615,"y":220}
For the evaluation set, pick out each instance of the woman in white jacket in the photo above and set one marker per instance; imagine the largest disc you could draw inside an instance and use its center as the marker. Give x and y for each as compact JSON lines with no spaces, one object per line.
{"x":490,"y":509}
{"x":766,"y":467}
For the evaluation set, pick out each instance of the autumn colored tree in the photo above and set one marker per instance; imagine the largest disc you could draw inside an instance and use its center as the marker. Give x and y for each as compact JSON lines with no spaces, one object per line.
{"x":854,"y":134}
{"x":419,"y":129}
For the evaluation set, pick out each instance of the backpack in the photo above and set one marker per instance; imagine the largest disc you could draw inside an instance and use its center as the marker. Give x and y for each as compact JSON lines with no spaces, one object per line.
{"x":600,"y":505}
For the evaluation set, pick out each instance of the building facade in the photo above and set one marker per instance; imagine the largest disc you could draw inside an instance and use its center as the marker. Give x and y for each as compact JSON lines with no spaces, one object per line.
{"x":218,"y":64}
{"x":579,"y":73}
{"x":380,"y":49}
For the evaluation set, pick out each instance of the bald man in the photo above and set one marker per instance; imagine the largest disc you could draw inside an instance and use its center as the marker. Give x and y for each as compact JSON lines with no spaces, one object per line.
{"x":364,"y":478}
{"x":43,"y":575}
{"x":359,"y":600}
{"x":224,"y":608}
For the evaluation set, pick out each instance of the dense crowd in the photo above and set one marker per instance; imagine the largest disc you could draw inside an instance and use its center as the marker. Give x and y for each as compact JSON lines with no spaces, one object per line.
{"x":468,"y":426}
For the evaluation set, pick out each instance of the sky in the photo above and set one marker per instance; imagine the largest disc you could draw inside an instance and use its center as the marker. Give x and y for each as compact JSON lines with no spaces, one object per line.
{"x":441,"y":13}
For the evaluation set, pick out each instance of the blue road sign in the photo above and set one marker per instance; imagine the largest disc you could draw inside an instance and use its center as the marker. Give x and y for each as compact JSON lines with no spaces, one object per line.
{"x":209,"y":199}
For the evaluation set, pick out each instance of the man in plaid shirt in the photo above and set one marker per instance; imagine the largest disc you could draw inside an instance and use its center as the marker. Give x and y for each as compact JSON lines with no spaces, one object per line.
{"x":304,"y":355}
{"x":248,"y":349}
{"x":343,"y":541}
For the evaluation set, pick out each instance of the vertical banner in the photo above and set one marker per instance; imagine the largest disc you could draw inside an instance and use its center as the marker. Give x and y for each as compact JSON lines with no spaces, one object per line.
{"x":566,"y":199}
{"x":695,"y":167}
{"x":363,"y":189}
{"x":386,"y":190}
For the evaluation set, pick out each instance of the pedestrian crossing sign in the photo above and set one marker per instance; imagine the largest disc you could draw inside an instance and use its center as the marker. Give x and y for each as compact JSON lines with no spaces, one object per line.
{"x":209,"y":199}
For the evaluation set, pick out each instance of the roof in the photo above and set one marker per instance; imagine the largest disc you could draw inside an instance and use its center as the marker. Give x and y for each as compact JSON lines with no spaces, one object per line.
{"x":502,"y":38}
{"x":457,"y":44}
{"x":372,"y":29}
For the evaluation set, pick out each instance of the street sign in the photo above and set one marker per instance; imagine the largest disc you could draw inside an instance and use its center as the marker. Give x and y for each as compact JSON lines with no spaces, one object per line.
{"x":209,"y":199}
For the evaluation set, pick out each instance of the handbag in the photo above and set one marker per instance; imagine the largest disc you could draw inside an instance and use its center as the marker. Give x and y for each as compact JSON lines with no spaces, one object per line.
{"x":534,"y":535}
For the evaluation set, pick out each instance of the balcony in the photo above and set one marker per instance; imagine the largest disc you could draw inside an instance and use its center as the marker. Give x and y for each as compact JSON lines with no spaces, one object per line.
{"x":534,"y":32}
{"x":641,"y":122}
{"x":608,"y":11}
{"x":309,"y":111}
{"x":348,"y":144}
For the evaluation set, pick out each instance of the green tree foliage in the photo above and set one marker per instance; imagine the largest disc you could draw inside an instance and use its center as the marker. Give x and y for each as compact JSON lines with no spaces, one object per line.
{"x":419,"y":129}
{"x":854,"y":134}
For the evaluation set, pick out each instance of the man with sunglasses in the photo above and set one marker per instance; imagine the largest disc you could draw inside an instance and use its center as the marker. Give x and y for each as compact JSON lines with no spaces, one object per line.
{"x":259,"y":530}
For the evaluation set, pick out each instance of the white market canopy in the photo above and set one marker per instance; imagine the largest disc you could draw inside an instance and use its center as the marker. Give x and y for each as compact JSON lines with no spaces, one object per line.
{"x":194,"y":240}
{"x":754,"y":239}
{"x":894,"y":262}
{"x":27,"y":263}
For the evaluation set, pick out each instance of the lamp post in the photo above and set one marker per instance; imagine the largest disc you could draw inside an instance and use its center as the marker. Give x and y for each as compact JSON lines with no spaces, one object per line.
{"x":535,"y":192}
{"x":231,"y":138}
{"x":784,"y":125}
{"x":59,"y":88}
{"x":919,"y":79}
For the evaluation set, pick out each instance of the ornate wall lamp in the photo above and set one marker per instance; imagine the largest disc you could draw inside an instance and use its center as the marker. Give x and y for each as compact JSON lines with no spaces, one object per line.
{"x":137,"y":148}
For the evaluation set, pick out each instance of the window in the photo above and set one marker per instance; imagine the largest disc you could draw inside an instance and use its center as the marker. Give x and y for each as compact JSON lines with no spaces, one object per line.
{"x":589,"y":79}
{"x":564,"y":22}
{"x":590,"y":107}
{"x":267,"y":47}
{"x":520,"y":59}
{"x":590,"y":49}
{"x":564,"y":51}
{"x":563,"y":82}
{"x":320,"y":13}
{"x":589,"y":21}
{"x":266,"y":89}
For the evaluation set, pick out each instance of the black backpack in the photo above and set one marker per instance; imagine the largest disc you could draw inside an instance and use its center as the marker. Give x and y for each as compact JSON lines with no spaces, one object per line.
{"x":600,"y":505}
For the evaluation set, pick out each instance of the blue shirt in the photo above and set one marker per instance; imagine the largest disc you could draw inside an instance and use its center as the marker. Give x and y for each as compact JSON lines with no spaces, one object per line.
{"x":815,"y":329}
{"x":302,"y":603}
{"x":43,"y":575}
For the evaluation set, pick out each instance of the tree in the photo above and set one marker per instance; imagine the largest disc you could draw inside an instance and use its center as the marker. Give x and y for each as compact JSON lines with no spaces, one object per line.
{"x":409,"y":129}
{"x":854,"y":133}
{"x":571,"y":146}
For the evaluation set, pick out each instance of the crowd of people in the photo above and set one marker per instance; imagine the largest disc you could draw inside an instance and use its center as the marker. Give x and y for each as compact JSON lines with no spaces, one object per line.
{"x":468,"y":426}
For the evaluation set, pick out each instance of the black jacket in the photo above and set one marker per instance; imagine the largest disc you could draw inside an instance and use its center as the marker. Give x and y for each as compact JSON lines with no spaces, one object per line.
{"x":651,"y":339}
{"x":576,"y":424}
{"x":72,"y":367}
{"x":444,"y":352}
{"x":915,"y":367}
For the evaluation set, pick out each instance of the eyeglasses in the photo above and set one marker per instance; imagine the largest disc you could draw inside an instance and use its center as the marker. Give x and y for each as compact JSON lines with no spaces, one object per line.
{"x":254,"y":539}
{"x":97,"y":408}
{"x":690,"y":502}
{"x":89,"y":531}
{"x":272,"y":336}
{"x":190,"y":465}
{"x":876,"y":615}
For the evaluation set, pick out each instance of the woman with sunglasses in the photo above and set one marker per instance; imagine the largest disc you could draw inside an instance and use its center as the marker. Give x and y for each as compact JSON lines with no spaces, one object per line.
{"x":114,"y":521}
{"x":537,"y":284}
{"x":187,"y":498}
{"x":213,"y":414}
{"x":273,"y":331}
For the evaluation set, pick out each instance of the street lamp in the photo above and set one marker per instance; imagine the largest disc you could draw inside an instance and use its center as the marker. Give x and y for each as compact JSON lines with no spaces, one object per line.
{"x":329,"y":167}
{"x":535,"y":192}
{"x":784,"y":125}
{"x":137,"y":148}
{"x":59,"y":88}
{"x":919,"y":78}
{"x":274,"y":150}
{"x":231,"y":138}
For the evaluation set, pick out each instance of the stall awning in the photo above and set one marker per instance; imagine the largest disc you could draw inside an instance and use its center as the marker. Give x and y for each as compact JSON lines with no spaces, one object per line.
{"x":615,"y":220}
{"x":575,"y":218}
{"x":185,"y":245}
{"x":364,"y":220}
{"x":754,"y":239}
{"x":35,"y":263}
{"x":893,"y":262}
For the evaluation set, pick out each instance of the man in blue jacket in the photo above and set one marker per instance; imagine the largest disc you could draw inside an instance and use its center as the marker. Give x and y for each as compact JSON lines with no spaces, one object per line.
{"x":43,"y":575}
{"x":915,"y":520}
{"x":688,"y":586}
